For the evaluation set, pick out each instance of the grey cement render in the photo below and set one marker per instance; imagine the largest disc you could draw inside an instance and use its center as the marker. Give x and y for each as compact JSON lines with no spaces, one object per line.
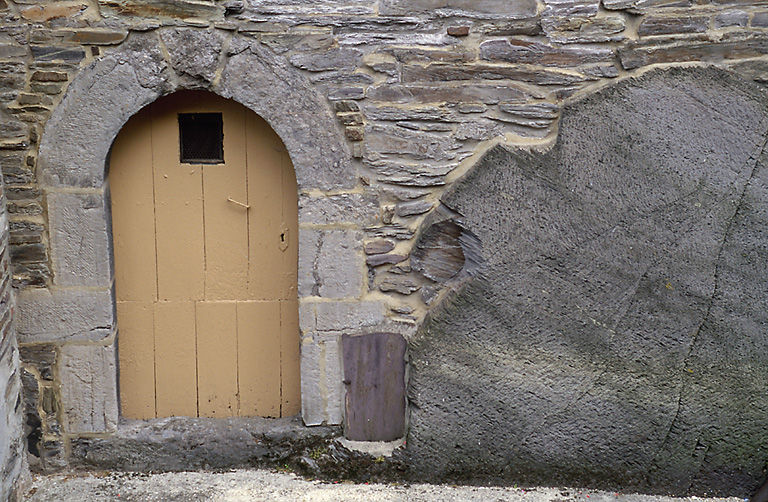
{"x":72,"y":163}
{"x":617,"y":333}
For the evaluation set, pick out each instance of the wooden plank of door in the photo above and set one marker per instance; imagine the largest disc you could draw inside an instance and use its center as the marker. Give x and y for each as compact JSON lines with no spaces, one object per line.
{"x":216,"y":358}
{"x":178,"y":211}
{"x":176,"y":359}
{"x":258,"y":344}
{"x":265,"y":198}
{"x":289,"y":358}
{"x":226,"y":223}
{"x":136,"y":347}
{"x":374,"y":371}
{"x":133,"y":211}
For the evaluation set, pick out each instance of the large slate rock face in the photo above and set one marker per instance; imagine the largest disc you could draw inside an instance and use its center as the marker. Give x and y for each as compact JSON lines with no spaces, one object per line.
{"x":617,"y":333}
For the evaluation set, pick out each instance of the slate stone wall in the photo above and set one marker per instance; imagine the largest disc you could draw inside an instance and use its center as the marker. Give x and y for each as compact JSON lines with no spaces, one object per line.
{"x":12,"y":464}
{"x":418,"y":90}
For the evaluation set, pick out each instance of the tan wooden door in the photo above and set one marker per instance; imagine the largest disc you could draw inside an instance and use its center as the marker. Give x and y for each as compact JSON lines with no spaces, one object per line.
{"x":205,"y":266}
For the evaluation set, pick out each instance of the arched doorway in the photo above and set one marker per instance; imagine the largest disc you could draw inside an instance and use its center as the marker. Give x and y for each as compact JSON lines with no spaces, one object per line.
{"x":204,"y":218}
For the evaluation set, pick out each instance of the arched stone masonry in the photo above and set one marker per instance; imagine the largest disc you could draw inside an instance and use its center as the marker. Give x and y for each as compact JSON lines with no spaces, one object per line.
{"x":77,"y":311}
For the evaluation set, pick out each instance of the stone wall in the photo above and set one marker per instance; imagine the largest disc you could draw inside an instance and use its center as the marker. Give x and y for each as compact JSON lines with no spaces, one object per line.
{"x":419,"y":90}
{"x":12,"y":465}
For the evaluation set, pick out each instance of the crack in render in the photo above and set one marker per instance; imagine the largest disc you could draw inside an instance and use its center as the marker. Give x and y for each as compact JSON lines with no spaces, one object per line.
{"x":715,"y":288}
{"x":316,"y":281}
{"x":620,"y":314}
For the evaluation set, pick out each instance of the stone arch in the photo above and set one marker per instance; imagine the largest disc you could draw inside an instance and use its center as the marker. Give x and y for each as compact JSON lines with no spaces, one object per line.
{"x":77,"y":310}
{"x":103,"y":96}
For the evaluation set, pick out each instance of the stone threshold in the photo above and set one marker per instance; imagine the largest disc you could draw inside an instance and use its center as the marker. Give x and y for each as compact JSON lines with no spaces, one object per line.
{"x":184,"y":444}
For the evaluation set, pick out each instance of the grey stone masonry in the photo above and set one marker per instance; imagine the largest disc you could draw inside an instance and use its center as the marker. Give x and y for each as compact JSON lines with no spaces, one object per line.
{"x":88,"y":390}
{"x":382,"y":106}
{"x":11,"y":445}
{"x":79,"y":240}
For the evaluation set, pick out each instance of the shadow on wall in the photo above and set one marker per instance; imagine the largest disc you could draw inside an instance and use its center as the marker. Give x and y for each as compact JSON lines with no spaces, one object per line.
{"x":610,"y":331}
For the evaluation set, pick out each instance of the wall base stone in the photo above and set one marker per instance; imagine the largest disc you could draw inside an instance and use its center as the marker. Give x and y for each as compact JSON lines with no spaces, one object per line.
{"x":88,"y":388}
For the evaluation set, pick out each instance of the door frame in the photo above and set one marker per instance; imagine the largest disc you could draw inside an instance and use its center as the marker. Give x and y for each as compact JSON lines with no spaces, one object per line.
{"x":78,"y":311}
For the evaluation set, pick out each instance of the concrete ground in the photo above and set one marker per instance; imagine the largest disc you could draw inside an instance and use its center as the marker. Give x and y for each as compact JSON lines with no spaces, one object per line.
{"x":262,"y":485}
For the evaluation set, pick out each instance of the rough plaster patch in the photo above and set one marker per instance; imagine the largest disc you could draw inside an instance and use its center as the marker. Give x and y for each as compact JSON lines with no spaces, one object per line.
{"x":621,"y":297}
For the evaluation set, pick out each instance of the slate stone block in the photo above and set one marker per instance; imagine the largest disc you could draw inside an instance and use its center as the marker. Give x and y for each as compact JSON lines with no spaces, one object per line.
{"x":665,"y":25}
{"x":42,"y":53}
{"x":531,"y":52}
{"x":470,"y":8}
{"x":635,"y":55}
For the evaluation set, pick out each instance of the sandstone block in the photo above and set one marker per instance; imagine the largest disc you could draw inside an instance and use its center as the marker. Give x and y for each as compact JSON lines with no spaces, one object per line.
{"x":336,"y":266}
{"x":322,"y":388}
{"x":301,"y":117}
{"x":348,"y":316}
{"x":360,"y":208}
{"x":88,"y":388}
{"x":77,"y":137}
{"x":44,"y":315}
{"x":194,"y":53}
{"x":80,"y":240}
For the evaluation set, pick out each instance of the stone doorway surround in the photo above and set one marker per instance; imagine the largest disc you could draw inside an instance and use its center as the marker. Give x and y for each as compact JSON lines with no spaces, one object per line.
{"x":77,"y":311}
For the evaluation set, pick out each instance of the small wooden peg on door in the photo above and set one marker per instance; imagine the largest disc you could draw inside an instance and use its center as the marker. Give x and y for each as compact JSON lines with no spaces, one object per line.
{"x":246,"y":206}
